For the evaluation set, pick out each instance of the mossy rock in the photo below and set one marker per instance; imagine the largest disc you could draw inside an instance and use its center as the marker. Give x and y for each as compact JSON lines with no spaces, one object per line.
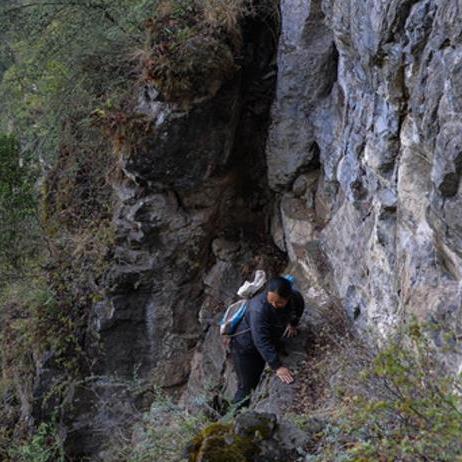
{"x":221,"y":442}
{"x":188,"y":58}
{"x":255,"y":425}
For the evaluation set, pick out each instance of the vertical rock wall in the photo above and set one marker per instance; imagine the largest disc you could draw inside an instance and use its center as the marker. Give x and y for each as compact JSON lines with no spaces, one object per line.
{"x":361,"y":179}
{"x":197,"y":178}
{"x":365,"y":154}
{"x":192,"y":219}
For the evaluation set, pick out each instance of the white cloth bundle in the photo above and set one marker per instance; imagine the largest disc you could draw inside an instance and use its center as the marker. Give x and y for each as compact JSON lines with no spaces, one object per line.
{"x":249,"y":289}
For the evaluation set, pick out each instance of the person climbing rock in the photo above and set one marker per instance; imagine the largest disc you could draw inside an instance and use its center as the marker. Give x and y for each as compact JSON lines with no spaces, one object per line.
{"x":271,"y":316}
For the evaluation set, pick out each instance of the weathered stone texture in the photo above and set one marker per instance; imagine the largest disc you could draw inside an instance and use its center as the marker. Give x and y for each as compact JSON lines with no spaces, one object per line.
{"x":387,"y":126}
{"x":364,"y":155}
{"x":363,"y":159}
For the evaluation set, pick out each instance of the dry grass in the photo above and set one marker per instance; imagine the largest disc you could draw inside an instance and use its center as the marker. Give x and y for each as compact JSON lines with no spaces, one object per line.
{"x":334,"y":353}
{"x":192,"y":48}
{"x":185,"y":56}
{"x":226,"y":13}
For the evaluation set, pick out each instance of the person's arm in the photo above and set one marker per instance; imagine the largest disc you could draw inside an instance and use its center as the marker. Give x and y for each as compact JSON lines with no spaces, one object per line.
{"x":297,"y":308}
{"x":260,"y":327}
{"x":297,"y":305}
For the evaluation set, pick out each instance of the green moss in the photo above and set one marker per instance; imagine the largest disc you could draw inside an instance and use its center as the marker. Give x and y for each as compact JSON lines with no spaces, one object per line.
{"x":264,"y":429}
{"x":213,"y":430}
{"x":218,"y":443}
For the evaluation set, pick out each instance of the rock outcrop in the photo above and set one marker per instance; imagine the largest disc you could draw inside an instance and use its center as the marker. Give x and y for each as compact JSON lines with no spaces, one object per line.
{"x":191,"y":218}
{"x":367,"y":98}
{"x":360,"y":187}
{"x":363,"y":155}
{"x":254,"y":436}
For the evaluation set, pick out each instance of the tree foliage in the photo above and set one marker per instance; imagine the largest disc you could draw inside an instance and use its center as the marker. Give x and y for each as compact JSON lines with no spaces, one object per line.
{"x":59,"y":61}
{"x":17,"y":210}
{"x":64,"y":59}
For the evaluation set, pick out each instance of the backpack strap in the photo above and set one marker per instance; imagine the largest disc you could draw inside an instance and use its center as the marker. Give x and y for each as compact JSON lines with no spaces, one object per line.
{"x":239,"y":333}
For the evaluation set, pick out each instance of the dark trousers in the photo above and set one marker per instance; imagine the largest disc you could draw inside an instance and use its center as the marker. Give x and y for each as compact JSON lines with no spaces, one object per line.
{"x":249,"y":367}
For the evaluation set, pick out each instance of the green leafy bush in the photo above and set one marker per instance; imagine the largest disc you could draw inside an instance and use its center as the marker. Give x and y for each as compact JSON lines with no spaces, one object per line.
{"x":44,"y":446}
{"x":18,"y":218}
{"x":403,"y":406}
{"x":66,"y":59}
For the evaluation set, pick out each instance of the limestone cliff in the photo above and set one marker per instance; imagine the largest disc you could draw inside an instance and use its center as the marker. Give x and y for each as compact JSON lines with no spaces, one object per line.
{"x":363,"y":156}
{"x":368,"y":91}
{"x":355,"y":177}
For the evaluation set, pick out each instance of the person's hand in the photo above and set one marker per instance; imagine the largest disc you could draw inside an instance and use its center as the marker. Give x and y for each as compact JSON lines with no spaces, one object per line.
{"x":284,"y":374}
{"x":291,"y":331}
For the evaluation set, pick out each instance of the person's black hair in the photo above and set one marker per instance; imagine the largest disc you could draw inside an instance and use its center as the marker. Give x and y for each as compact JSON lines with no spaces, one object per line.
{"x":280,"y":286}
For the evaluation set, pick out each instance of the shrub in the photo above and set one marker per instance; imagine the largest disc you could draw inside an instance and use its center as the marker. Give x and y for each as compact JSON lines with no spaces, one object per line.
{"x":44,"y":446}
{"x":163,"y":433}
{"x":193,"y":47}
{"x":185,"y":57}
{"x":403,"y":406}
{"x":67,"y":59}
{"x":18,"y":218}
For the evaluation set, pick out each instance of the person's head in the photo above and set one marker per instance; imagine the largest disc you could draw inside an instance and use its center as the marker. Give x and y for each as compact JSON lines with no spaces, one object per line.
{"x":279,"y":291}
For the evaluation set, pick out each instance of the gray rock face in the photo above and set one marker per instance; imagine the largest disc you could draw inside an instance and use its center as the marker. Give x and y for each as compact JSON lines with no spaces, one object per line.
{"x":164,"y":237}
{"x":375,"y":86}
{"x":306,"y":71}
{"x":364,"y":161}
{"x":191,"y":208}
{"x":364,"y":154}
{"x":148,"y":325}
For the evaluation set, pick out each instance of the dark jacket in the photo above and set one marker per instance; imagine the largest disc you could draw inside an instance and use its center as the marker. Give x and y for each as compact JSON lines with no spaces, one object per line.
{"x":262,"y":327}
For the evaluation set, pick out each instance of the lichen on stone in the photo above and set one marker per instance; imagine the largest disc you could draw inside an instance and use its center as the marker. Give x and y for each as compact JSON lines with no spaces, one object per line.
{"x":220,"y":442}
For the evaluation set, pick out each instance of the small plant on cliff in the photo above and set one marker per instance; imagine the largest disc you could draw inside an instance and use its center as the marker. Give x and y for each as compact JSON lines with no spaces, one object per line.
{"x":161,"y":434}
{"x":404,"y":407}
{"x":44,"y":446}
{"x":193,"y":47}
{"x":227,"y":14}
{"x":185,"y":57}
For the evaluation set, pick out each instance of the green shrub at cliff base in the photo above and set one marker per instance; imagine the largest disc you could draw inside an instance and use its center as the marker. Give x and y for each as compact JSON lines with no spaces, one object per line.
{"x":162,"y":434}
{"x":32,"y":323}
{"x":405,"y":407}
